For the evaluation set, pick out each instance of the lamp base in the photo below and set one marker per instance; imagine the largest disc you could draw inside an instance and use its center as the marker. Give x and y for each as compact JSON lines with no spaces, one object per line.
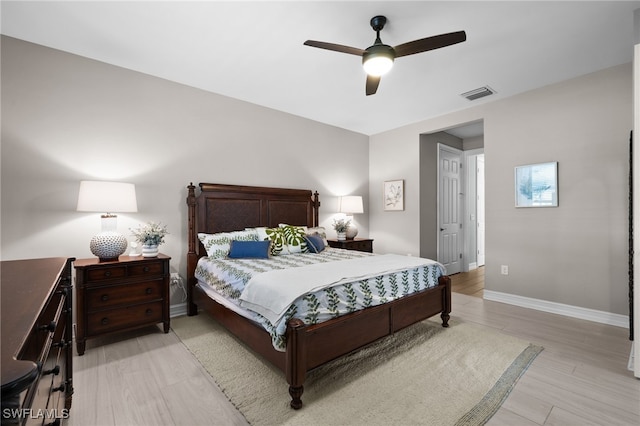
{"x":108,"y":245}
{"x":352,"y":231}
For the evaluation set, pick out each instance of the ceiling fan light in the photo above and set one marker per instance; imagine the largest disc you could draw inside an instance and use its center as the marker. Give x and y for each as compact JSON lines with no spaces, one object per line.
{"x":378,"y":60}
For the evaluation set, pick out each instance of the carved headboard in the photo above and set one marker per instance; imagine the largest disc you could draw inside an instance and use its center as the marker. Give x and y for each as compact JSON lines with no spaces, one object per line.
{"x":224,"y":208}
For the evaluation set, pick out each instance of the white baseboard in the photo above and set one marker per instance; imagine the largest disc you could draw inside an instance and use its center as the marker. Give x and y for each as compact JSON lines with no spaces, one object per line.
{"x":472,"y":266}
{"x":559,"y":308}
{"x":178,"y":310}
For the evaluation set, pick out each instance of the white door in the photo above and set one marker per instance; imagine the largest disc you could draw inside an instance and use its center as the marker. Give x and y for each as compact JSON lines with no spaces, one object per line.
{"x":449,"y":214}
{"x":480,"y":208}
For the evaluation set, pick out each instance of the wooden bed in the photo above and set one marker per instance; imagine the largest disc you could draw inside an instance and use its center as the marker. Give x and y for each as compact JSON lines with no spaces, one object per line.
{"x":223,"y":208}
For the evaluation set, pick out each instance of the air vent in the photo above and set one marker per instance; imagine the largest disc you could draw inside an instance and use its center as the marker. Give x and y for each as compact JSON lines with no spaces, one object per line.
{"x":478,"y":93}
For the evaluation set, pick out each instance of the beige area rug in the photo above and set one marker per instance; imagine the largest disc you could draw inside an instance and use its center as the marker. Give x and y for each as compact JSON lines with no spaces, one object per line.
{"x":422,"y":375}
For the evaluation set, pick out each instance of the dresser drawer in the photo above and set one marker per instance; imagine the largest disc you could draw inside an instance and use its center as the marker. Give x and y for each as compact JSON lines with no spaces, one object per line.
{"x":39,"y":340}
{"x":106,"y":297}
{"x":147,"y":269}
{"x":106,"y":273}
{"x":121,"y":318}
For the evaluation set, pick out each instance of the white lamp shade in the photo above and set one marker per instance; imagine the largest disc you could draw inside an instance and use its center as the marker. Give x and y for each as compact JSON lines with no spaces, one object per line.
{"x":107,"y":197}
{"x":351,"y":204}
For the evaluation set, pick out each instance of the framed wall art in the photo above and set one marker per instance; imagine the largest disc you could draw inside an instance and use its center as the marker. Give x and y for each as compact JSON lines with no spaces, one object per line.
{"x":393,"y":195}
{"x":537,"y":185}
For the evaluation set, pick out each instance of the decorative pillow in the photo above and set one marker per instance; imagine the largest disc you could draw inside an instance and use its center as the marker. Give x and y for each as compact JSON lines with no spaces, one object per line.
{"x":218,"y":245}
{"x":320,"y":231}
{"x":314,"y":243}
{"x":294,"y":238}
{"x":249,"y":249}
{"x":276,"y":236}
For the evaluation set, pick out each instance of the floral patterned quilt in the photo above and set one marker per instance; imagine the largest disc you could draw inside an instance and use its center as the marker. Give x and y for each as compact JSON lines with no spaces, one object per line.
{"x":229,"y":276}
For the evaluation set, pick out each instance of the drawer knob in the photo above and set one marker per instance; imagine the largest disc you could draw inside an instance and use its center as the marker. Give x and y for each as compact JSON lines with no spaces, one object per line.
{"x":60,"y":388}
{"x":61,"y":344}
{"x":104,"y":321}
{"x":55,"y":371}
{"x":107,"y":274}
{"x":148,"y":311}
{"x":104,"y":297}
{"x":146,"y":269}
{"x":49,"y":327}
{"x":149,"y":290}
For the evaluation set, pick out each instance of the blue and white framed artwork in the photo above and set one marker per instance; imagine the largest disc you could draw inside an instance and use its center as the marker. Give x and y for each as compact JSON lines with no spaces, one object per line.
{"x":537,"y":185}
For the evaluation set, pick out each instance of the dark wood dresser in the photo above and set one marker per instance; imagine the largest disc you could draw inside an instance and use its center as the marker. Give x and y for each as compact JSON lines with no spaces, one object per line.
{"x":128,"y":293}
{"x":37,"y":352}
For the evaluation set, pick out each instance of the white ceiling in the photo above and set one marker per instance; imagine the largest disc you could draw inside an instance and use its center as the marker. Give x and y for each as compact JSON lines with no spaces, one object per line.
{"x":254,"y":51}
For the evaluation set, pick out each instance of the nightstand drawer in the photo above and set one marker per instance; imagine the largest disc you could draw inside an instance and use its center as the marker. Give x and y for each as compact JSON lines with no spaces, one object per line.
{"x":361,"y":246}
{"x":146,"y":269}
{"x":105,"y":297}
{"x":102,"y":274}
{"x":115,"y":319}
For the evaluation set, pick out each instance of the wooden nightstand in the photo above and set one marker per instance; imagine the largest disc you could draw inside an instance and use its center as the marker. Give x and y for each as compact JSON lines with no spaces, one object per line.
{"x":359,"y":244}
{"x":121,"y":295}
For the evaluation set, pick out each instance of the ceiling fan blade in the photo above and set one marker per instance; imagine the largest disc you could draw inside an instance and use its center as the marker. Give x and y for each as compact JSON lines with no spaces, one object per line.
{"x":335,"y":47}
{"x":429,"y":43}
{"x":372,"y":84}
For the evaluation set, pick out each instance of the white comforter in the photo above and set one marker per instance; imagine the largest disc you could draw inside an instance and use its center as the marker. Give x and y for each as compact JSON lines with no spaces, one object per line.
{"x":271,"y":293}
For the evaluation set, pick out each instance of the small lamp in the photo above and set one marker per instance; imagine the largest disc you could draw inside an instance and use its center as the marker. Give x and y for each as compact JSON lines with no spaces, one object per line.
{"x":107,"y":197}
{"x":350,"y":205}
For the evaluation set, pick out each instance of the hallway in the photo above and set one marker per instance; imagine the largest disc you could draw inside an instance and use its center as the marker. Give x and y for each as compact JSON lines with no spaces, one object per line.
{"x":470,"y":283}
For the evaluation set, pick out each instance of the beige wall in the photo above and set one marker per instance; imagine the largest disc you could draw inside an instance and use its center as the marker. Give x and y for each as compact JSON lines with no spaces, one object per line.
{"x":66,"y":118}
{"x":575,"y":254}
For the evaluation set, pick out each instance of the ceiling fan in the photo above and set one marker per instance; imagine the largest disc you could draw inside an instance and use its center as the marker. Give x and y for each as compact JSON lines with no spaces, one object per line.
{"x":378,"y":58}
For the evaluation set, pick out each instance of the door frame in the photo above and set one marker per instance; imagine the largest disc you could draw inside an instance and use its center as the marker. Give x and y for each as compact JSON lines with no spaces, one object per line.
{"x":469,"y":253}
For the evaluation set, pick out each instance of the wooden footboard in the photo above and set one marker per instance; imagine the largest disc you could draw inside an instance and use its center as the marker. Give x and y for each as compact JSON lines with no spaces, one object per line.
{"x":314,"y":345}
{"x":309,"y":346}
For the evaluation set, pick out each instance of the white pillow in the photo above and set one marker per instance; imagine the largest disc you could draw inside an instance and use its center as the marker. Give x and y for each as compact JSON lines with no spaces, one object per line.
{"x":218,"y":245}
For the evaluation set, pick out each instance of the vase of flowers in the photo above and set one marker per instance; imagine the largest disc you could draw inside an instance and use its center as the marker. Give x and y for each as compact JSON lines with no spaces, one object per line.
{"x":341,"y":226}
{"x":150,"y":236}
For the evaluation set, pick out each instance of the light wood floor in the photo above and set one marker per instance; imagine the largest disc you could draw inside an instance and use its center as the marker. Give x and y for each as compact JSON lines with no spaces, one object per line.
{"x":580,"y":378}
{"x":470,"y":283}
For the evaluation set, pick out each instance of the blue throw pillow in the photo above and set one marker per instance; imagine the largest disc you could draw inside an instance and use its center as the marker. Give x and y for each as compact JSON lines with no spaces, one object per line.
{"x":249,"y":249}
{"x":314,"y":243}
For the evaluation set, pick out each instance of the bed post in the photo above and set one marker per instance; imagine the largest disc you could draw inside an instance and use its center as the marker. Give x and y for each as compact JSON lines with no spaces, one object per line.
{"x":446,"y":299}
{"x":192,"y":256}
{"x":316,"y":207}
{"x":296,"y":361}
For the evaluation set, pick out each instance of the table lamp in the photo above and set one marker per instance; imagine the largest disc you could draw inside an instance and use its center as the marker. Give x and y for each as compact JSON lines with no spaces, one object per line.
{"x":350,"y":205}
{"x":107,"y":198}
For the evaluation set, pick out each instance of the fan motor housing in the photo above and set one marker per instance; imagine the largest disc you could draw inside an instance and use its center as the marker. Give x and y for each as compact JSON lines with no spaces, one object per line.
{"x":379,"y":50}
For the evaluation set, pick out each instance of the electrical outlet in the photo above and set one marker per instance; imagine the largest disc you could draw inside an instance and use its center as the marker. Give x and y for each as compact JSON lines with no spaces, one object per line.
{"x":504,"y":270}
{"x":175,"y":280}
